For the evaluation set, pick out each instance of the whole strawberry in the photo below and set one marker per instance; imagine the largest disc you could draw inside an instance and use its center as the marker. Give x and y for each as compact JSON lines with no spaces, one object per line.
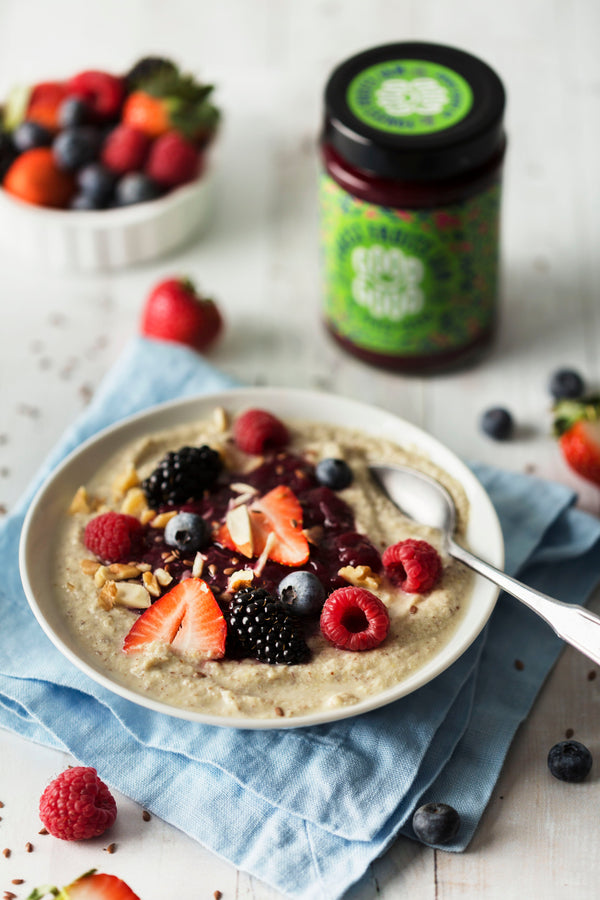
{"x":77,"y":805}
{"x":577,"y":426}
{"x":175,"y":311}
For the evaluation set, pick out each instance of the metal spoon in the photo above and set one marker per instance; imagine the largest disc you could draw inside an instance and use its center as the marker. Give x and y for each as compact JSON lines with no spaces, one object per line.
{"x":424,"y":500}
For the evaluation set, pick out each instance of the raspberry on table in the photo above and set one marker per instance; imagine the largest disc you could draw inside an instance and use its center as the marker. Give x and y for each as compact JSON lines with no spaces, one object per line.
{"x":77,"y":805}
{"x":257,"y":431}
{"x":354,"y":619}
{"x":412,"y":565}
{"x":113,"y":537}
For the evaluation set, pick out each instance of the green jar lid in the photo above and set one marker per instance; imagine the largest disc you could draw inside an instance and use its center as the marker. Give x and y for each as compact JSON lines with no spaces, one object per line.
{"x":415,"y":111}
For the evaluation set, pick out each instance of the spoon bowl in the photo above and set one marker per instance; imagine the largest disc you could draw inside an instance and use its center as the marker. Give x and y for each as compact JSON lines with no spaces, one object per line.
{"x":425,"y":500}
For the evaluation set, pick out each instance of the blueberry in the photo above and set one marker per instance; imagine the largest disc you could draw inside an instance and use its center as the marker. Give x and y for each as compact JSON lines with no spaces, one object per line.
{"x":84,"y":202}
{"x":75,"y":147}
{"x":334,"y":473}
{"x":29,"y":135}
{"x":188,"y":532}
{"x":566,"y":383}
{"x":302,"y":593}
{"x":135,"y":187}
{"x":569,"y":761}
{"x":73,"y":111}
{"x":497,"y":423}
{"x":436,"y":823}
{"x":96,"y":182}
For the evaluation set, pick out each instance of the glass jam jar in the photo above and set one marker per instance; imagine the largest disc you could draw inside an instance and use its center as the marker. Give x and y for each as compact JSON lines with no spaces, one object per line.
{"x":412,"y":148}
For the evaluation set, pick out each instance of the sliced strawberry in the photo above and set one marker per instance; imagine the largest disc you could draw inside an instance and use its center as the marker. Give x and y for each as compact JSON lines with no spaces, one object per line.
{"x":188,"y":618}
{"x":279,"y":514}
{"x":98,"y":886}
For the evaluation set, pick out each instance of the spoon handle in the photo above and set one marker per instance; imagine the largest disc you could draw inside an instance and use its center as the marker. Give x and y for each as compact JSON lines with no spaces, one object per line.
{"x":574,"y":624}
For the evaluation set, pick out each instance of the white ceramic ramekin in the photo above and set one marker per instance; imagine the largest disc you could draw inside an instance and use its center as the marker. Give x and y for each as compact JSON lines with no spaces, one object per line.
{"x":103,"y":240}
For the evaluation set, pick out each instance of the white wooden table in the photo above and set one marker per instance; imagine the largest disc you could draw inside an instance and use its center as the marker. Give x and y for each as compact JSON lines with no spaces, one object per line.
{"x":60,"y":334}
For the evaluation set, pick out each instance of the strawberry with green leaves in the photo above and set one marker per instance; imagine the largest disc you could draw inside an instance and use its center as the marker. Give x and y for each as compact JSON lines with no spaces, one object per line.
{"x":92,"y":885}
{"x":577,"y":426}
{"x":170,"y":101}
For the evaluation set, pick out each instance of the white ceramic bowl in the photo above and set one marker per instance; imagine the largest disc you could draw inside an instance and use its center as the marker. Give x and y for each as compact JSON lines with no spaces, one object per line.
{"x":484,"y":534}
{"x":107,"y":239}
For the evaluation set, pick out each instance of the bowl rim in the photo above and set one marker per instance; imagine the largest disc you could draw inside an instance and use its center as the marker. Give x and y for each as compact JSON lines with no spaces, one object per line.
{"x":187,"y":409}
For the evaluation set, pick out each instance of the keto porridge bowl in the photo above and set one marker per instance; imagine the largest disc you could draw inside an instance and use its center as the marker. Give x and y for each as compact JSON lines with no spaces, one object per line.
{"x":80,"y":603}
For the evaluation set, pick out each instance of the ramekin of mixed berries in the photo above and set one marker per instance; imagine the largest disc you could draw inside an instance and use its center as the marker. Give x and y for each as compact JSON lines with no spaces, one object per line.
{"x":131,"y":151}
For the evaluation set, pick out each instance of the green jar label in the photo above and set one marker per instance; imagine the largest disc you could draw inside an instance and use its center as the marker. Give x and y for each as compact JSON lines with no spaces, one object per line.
{"x":409,"y":283}
{"x":409,"y":96}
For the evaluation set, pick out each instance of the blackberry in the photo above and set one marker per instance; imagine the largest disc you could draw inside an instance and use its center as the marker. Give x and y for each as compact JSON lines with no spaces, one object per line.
{"x":148,"y":67}
{"x":182,"y":475}
{"x":265,"y":630}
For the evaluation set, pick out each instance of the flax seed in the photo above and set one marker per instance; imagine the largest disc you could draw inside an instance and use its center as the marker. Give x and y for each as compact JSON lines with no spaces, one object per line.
{"x":6,"y":852}
{"x":146,"y":816}
{"x":111,"y":848}
{"x":29,"y":847}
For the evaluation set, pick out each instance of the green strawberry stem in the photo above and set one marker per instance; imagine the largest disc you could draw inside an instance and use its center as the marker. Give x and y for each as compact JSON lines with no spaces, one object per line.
{"x":568,"y":412}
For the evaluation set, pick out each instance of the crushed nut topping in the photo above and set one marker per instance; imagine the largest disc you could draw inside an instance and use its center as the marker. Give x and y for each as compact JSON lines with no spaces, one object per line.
{"x":360,"y":576}
{"x":240,"y":579}
{"x":80,"y":502}
{"x":161,"y":520}
{"x":134,"y":502}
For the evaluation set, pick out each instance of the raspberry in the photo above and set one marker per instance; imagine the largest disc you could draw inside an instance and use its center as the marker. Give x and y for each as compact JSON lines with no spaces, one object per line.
{"x":257,"y":431}
{"x":414,"y":566}
{"x":125,"y":149}
{"x":354,"y":619}
{"x":77,"y":805}
{"x":172,"y":160}
{"x":113,"y":537}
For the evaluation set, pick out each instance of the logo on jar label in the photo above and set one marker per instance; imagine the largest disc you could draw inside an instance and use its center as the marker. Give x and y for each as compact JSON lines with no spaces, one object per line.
{"x":409,"y":96}
{"x":387,"y":282}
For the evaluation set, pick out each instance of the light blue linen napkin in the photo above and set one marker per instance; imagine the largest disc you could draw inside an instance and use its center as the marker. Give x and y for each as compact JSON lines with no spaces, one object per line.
{"x":305,"y":810}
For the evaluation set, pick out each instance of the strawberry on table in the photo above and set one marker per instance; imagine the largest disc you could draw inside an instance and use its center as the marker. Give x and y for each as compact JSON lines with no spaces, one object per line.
{"x":175,"y":311}
{"x":188,"y":618}
{"x":577,"y":426}
{"x":92,"y":885}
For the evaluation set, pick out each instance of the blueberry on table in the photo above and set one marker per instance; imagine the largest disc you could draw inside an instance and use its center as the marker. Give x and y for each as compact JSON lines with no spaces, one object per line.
{"x":435,"y":823}
{"x":566,"y":384}
{"x":497,"y":423}
{"x":187,"y":532}
{"x":334,"y":473}
{"x":302,"y":593}
{"x":569,"y":761}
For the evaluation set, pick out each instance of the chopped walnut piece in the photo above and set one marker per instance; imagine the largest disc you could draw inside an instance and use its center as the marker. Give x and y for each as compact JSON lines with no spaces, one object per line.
{"x":360,"y":576}
{"x":240,"y":579}
{"x":163,"y":577}
{"x":161,"y":520}
{"x":108,"y":595}
{"x":89,"y":566}
{"x":80,"y":502}
{"x":151,"y":584}
{"x":126,"y":480}
{"x":134,"y":503}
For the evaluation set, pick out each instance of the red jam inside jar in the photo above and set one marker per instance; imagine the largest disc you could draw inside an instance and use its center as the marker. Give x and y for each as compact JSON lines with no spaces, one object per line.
{"x":412,"y":149}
